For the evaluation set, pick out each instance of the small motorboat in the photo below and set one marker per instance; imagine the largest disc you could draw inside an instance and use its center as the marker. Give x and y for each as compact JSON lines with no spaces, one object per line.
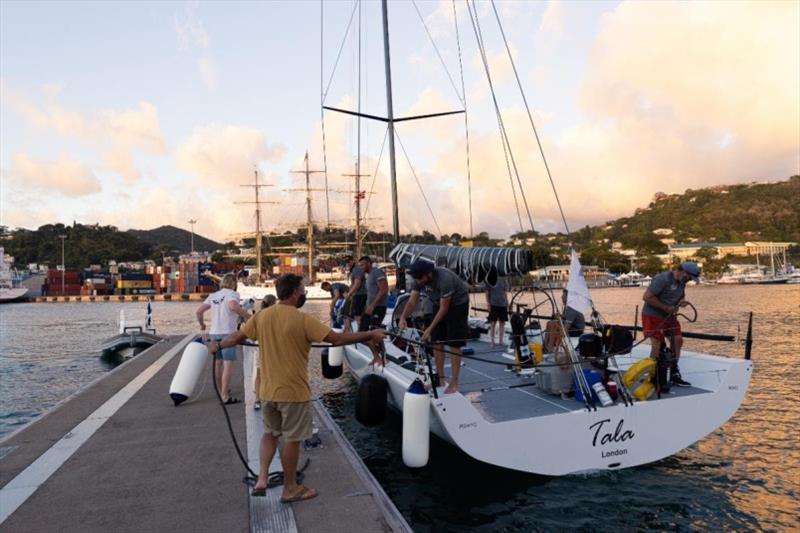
{"x":133,"y":337}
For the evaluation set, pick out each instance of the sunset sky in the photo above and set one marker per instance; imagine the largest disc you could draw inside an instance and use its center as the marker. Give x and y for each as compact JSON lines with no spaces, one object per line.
{"x":140,"y":114}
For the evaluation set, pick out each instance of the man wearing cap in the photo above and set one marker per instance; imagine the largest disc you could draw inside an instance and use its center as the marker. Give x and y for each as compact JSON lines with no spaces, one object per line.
{"x":356,"y":297}
{"x":377,"y":295}
{"x":449,"y":327}
{"x":663,"y":298}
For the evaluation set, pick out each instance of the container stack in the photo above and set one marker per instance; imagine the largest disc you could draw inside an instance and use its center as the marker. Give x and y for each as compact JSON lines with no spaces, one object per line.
{"x":71,"y":280}
{"x":135,"y":283}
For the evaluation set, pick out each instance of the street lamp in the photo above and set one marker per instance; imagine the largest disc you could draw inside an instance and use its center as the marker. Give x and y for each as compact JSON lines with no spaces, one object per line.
{"x":63,"y":266}
{"x":192,"y":222}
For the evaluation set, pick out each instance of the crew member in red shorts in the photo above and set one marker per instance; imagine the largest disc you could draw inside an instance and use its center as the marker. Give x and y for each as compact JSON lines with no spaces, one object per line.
{"x":662,"y":299}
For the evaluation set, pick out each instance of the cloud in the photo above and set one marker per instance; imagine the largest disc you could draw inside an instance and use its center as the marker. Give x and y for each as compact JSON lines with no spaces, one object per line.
{"x":225,"y":155}
{"x":64,"y":175}
{"x":189,"y":28}
{"x":115,"y":134}
{"x":553,"y":18}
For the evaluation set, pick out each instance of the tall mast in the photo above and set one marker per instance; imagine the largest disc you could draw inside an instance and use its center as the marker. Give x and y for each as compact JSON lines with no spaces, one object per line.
{"x":309,"y":220}
{"x":360,"y":195}
{"x":390,"y":122}
{"x":258,"y":203}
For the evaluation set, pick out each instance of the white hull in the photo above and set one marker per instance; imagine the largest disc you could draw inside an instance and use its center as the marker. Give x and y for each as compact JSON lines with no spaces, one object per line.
{"x":257,"y":292}
{"x":575,"y":440}
{"x":12,"y":294}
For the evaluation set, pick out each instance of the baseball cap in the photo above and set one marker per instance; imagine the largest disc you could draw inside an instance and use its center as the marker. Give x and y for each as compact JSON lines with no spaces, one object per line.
{"x":419,"y":268}
{"x":692,"y":269}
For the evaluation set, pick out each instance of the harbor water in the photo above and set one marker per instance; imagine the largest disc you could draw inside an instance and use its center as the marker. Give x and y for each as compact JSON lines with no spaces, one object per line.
{"x":744,"y":476}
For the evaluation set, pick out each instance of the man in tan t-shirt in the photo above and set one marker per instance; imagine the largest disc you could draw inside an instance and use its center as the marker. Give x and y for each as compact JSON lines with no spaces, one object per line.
{"x":285,"y":335}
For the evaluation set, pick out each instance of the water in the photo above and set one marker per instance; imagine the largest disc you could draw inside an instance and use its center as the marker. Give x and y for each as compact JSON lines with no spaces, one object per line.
{"x":744,"y":476}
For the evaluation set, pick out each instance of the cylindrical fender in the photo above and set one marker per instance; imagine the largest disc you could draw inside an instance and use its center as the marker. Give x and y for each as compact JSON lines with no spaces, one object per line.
{"x":189,"y":369}
{"x":416,"y":425}
{"x":371,"y":400}
{"x":329,"y":370}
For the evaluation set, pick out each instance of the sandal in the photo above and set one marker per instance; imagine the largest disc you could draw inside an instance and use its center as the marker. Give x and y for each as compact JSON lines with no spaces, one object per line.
{"x":259,"y":492}
{"x":232,"y":400}
{"x":305,"y":493}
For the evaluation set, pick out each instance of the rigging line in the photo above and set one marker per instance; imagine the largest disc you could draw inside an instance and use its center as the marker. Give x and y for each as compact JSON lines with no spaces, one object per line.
{"x":358,"y":141}
{"x":511,"y":181}
{"x":421,"y":190}
{"x":466,"y":122}
{"x":500,"y":127}
{"x":530,"y":116}
{"x":441,"y":59}
{"x":375,"y":175}
{"x":339,"y":55}
{"x":479,"y":37}
{"x":322,"y":109}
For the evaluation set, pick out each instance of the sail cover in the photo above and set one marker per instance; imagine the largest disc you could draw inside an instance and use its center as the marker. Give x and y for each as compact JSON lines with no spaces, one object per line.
{"x":474,"y":265}
{"x":578,"y":297}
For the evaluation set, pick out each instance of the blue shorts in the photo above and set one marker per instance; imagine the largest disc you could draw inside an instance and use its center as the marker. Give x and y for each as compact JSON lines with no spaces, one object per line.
{"x":226,"y":354}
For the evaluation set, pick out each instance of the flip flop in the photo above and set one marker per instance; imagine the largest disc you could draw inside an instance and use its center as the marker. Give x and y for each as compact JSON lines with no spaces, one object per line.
{"x":259,"y":492}
{"x":232,"y":400}
{"x":305,"y":493}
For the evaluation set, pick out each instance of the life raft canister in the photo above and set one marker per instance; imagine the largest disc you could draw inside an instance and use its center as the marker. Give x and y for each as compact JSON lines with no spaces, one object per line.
{"x":638,"y":378}
{"x":371,"y":400}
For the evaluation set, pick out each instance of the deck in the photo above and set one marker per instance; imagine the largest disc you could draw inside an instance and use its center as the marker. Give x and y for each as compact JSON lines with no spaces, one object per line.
{"x":503,"y":404}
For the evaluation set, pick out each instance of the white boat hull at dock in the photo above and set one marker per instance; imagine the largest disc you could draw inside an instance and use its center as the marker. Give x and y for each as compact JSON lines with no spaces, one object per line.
{"x":569,"y":438}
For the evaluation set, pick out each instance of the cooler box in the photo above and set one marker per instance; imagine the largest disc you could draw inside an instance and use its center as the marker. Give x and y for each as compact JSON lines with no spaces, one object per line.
{"x":553,"y":379}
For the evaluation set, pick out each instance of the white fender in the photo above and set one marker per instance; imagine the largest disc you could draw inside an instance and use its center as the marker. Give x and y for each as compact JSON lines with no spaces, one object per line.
{"x":416,"y":422}
{"x":335,"y":355}
{"x":189,"y":369}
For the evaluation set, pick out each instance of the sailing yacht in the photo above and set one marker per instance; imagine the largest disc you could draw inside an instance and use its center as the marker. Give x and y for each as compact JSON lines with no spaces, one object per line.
{"x":541,"y":416}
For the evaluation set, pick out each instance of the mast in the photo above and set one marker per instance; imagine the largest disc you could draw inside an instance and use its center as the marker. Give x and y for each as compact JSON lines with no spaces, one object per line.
{"x":390,"y":122}
{"x":309,"y":220}
{"x":772,"y":257}
{"x":360,"y":195}
{"x":258,"y":202}
{"x":310,"y":226}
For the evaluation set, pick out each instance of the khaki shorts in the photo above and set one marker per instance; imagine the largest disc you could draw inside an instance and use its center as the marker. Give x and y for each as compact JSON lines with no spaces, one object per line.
{"x":290,"y":419}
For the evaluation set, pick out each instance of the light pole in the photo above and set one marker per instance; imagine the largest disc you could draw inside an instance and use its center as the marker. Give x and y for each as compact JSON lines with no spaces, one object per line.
{"x":192,"y":222}
{"x":63,"y":266}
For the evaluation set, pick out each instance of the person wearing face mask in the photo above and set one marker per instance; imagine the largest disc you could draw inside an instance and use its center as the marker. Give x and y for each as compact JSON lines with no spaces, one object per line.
{"x":662,"y":299}
{"x":285,"y":335}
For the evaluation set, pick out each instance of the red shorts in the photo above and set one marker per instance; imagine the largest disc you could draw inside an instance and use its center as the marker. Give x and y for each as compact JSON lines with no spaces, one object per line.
{"x":659,"y":328}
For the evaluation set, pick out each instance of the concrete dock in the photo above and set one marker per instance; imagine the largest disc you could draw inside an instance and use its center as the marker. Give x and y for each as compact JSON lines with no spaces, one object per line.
{"x":118,"y":456}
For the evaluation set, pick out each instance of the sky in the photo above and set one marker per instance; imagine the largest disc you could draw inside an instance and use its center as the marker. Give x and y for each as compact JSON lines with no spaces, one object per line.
{"x":140,"y":114}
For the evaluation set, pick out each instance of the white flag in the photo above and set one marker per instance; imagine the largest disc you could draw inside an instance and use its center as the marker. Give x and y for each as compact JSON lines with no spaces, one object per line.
{"x":578,"y":297}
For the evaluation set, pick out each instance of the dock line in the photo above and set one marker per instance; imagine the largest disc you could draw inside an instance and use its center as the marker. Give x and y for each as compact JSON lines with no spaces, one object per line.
{"x":19,"y":489}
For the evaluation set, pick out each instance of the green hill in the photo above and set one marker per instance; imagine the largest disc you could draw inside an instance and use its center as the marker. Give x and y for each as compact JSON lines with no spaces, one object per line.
{"x":174,"y":240}
{"x":730,"y":213}
{"x":88,"y":244}
{"x":735,"y":213}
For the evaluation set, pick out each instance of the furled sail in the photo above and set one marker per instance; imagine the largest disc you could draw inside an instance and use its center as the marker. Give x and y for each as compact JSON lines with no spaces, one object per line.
{"x":474,"y":265}
{"x":578,"y":296}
